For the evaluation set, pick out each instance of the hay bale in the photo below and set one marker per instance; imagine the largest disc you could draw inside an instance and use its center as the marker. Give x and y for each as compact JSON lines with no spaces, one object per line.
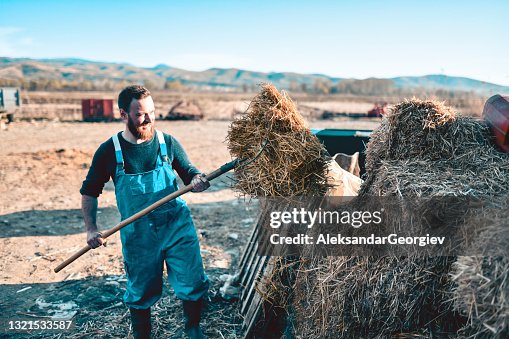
{"x":421,"y":150}
{"x":185,"y":110}
{"x":293,"y":162}
{"x":452,"y":156}
{"x":425,"y":149}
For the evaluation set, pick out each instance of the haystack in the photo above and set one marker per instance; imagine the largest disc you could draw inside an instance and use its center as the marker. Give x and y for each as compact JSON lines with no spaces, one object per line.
{"x":185,"y":110}
{"x":425,"y":149}
{"x":421,"y":150}
{"x":453,"y":155}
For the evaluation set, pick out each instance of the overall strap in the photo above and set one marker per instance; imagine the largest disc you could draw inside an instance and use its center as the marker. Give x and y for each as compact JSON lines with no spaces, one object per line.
{"x":118,"y":153}
{"x":162,"y":146}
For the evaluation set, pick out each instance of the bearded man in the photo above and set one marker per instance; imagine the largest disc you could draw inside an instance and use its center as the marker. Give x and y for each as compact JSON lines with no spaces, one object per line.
{"x":142,"y":163}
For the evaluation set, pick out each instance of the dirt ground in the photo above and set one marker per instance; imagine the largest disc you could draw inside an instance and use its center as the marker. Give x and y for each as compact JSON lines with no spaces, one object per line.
{"x":42,"y":166}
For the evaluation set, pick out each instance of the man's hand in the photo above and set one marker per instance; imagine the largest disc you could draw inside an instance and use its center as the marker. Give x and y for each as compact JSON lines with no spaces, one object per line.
{"x":95,"y":239}
{"x":200,"y":183}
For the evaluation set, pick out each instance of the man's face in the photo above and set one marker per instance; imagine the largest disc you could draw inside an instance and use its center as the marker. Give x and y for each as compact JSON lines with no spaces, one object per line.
{"x":141,"y":118}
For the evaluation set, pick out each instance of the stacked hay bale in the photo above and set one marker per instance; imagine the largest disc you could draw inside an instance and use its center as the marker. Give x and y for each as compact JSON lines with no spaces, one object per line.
{"x":422,"y":150}
{"x":452,"y":155}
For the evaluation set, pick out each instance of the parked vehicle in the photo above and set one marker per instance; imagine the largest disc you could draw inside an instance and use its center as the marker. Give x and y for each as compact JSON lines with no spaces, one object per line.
{"x":10,"y":103}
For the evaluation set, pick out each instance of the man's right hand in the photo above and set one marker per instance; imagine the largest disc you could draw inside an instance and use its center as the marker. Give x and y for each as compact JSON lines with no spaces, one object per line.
{"x":95,"y":239}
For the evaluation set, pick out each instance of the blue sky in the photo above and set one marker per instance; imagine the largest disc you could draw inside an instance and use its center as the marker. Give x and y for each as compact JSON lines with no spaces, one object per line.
{"x":357,"y":39}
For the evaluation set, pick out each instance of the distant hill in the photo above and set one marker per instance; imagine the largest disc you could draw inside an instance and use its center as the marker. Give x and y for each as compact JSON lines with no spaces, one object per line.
{"x":439,"y":81}
{"x":72,"y":69}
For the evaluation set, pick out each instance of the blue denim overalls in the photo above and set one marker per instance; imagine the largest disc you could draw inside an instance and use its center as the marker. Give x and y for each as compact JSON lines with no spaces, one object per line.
{"x":165,"y":234}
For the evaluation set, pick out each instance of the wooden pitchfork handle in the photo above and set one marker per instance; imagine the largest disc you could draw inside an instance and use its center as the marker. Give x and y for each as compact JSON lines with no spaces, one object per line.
{"x":221,"y":170}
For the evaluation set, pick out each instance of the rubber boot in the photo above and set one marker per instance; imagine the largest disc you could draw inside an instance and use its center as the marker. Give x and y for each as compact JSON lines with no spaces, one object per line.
{"x":140,"y":320}
{"x":192,"y":315}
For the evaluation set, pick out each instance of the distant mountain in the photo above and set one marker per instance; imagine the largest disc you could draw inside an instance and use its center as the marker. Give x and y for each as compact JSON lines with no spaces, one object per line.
{"x":72,"y":69}
{"x":439,"y":81}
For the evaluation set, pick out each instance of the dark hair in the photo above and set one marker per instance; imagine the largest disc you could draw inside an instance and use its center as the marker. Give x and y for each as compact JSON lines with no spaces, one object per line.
{"x":129,"y":93}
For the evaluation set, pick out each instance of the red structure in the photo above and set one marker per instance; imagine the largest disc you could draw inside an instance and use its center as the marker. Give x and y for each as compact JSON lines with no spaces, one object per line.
{"x":378,"y":110}
{"x":496,"y":115}
{"x":97,"y":109}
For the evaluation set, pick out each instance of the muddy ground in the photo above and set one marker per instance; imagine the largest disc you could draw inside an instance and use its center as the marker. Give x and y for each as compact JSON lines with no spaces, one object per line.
{"x":42,"y":166}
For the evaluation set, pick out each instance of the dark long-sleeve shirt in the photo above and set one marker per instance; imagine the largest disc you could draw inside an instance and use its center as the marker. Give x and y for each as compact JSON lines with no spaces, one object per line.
{"x":138,"y":158}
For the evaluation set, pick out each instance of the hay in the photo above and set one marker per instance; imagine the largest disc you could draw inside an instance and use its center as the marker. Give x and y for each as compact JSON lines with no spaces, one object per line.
{"x":425,"y":149}
{"x":421,"y":150}
{"x":348,"y":297}
{"x":293,"y":163}
{"x":482,"y":294}
{"x":483,"y":281}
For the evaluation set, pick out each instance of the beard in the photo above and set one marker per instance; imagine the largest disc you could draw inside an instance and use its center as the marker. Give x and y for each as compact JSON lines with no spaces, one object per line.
{"x":140,"y":132}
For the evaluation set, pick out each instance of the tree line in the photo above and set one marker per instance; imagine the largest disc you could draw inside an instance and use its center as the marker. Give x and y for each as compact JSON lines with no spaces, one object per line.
{"x":367,"y":87}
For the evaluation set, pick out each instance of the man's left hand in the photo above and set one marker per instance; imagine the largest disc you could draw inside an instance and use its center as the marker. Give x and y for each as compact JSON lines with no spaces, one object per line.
{"x":200,"y":183}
